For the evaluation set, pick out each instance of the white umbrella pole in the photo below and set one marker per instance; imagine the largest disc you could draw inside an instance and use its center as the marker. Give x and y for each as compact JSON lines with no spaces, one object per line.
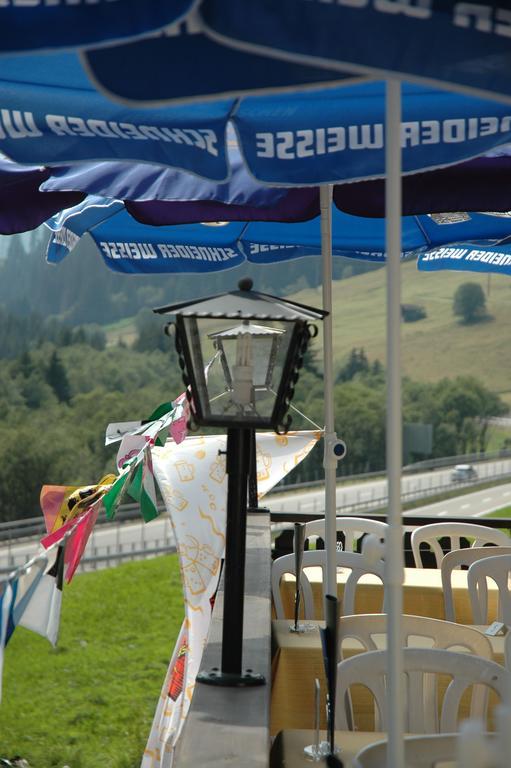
{"x":329,"y":458}
{"x":394,"y":547}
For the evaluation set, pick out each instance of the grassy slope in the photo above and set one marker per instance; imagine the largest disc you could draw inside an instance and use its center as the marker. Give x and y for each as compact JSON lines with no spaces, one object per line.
{"x":90,"y":702}
{"x":435,"y":347}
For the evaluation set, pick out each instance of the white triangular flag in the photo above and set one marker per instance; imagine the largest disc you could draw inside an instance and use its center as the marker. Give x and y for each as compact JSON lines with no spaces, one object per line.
{"x":192,"y":480}
{"x":42,"y":613}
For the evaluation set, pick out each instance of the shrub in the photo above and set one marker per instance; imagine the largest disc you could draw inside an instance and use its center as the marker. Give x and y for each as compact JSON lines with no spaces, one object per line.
{"x":410,"y":313}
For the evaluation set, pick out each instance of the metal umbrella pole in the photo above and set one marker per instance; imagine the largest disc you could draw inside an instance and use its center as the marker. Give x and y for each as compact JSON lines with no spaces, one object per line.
{"x":330,"y":440}
{"x":394,"y":565}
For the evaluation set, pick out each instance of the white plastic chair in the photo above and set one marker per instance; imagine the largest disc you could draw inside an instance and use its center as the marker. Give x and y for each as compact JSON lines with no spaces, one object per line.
{"x":353,"y":529}
{"x":354,"y":561}
{"x":417,"y":631}
{"x":420,"y":751}
{"x":429,"y":534}
{"x":420,"y":710}
{"x":457,"y":559}
{"x":499,"y":570}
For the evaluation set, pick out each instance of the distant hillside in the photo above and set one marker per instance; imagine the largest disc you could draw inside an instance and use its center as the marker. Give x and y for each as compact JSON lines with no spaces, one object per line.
{"x":82,"y":290}
{"x":437,"y":346}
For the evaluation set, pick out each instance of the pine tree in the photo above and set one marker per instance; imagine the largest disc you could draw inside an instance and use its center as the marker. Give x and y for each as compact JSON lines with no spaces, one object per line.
{"x":56,"y":377}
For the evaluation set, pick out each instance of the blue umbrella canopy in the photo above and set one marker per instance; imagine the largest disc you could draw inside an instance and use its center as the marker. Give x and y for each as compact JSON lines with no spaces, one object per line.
{"x":442,"y":41}
{"x":339,"y":135}
{"x":138,"y":72}
{"x":159,"y":195}
{"x":51,"y":114}
{"x":37,"y":25}
{"x":131,"y":247}
{"x":469,"y":257}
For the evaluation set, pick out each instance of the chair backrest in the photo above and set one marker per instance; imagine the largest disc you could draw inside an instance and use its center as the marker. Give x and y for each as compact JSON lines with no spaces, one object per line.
{"x":353,"y":529}
{"x":507,"y":651}
{"x":417,"y":631}
{"x":420,"y":710}
{"x":499,"y":570}
{"x":457,"y":559}
{"x":357,"y":563}
{"x":430,"y":534}
{"x":420,"y":751}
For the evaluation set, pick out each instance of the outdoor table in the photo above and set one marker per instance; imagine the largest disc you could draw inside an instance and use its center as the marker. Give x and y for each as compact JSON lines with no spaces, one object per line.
{"x":297,"y":661}
{"x":287,"y":749}
{"x":422,"y":593}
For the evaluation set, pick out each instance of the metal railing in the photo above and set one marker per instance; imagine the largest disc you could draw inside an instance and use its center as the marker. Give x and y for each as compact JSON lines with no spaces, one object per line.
{"x":428,"y":486}
{"x":109,"y":543}
{"x":128,"y":537}
{"x":29,"y":527}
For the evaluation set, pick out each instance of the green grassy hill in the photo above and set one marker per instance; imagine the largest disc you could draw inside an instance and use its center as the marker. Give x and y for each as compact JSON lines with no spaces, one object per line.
{"x":436,"y":346}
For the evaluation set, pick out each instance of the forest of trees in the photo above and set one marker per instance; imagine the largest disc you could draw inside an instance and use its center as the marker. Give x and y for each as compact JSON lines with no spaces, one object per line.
{"x":56,"y":403}
{"x":60,"y":384}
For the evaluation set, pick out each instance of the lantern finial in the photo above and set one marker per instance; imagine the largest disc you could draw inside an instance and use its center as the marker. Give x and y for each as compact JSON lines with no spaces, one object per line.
{"x":245,"y":284}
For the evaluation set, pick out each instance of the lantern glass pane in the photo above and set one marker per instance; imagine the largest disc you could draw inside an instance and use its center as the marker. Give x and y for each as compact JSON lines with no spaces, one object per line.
{"x":242,"y":363}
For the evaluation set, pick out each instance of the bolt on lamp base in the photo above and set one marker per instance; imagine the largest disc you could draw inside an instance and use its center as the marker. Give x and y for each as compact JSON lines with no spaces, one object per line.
{"x":246,"y":678}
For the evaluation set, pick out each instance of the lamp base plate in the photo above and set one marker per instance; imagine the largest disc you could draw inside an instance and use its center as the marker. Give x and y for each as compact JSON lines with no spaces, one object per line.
{"x":244,"y":679}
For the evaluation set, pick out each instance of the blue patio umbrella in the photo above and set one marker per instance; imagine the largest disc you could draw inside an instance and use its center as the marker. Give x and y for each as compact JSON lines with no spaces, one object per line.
{"x":130,"y":247}
{"x":159,"y":196}
{"x":51,"y":114}
{"x":463,"y":43}
{"x":474,"y":185}
{"x":442,"y":41}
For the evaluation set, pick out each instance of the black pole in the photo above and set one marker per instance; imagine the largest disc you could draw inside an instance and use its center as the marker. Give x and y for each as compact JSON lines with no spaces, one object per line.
{"x":237,"y":468}
{"x":252,"y":474}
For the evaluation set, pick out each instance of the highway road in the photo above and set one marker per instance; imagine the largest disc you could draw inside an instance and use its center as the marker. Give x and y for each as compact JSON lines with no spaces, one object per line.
{"x":478,"y":504}
{"x":131,"y":537}
{"x":374,"y":492}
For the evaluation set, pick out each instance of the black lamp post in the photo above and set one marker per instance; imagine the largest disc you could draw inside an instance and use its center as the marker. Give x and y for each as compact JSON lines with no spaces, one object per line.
{"x":240,"y":354}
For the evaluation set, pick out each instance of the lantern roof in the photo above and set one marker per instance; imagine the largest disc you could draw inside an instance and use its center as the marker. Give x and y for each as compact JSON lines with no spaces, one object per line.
{"x":244,"y":304}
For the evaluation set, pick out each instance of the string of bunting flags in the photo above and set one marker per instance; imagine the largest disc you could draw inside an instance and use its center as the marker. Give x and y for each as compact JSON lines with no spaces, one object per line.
{"x":191,"y":477}
{"x":31,"y":595}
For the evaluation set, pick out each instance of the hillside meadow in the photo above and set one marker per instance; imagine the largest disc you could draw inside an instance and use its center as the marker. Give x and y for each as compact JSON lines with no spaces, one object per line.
{"x":433,"y":348}
{"x":437,"y":346}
